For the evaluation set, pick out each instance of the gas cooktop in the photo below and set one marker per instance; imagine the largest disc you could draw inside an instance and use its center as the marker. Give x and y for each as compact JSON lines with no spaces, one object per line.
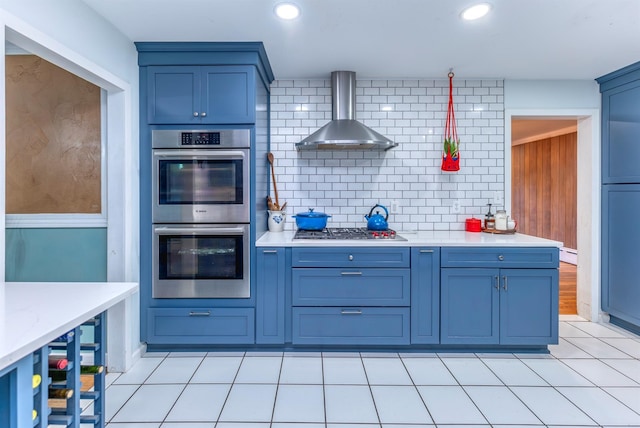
{"x":349,"y":233}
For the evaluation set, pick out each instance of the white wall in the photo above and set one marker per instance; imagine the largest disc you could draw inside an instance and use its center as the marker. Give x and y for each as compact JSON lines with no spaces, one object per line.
{"x":579,"y":100}
{"x":346,"y":184}
{"x":71,"y":35}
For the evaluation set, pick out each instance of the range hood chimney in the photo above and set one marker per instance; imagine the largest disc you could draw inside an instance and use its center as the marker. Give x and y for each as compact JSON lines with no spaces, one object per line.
{"x":344,"y":132}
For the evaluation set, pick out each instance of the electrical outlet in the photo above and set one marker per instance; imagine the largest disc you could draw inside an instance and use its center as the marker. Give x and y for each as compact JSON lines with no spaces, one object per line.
{"x":395,"y":207}
{"x":455,"y":207}
{"x":497,"y":199}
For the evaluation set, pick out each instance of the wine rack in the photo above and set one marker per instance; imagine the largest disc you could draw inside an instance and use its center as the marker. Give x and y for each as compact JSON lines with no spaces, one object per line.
{"x":64,"y":385}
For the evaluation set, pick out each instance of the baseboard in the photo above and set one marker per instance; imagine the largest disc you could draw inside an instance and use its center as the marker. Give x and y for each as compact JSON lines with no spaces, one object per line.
{"x":569,"y":255}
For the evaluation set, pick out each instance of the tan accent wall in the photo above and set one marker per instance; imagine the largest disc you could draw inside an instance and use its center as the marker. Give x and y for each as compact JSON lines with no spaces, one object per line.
{"x":544,"y":188}
{"x":53,"y":139}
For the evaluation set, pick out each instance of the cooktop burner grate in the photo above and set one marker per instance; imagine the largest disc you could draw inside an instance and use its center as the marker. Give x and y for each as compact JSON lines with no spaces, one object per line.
{"x":348,"y":233}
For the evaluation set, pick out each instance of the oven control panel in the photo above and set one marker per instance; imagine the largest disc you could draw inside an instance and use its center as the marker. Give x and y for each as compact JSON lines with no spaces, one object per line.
{"x":200,"y":139}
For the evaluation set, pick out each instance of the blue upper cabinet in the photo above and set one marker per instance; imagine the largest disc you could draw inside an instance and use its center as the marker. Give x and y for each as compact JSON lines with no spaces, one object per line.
{"x":621,"y":125}
{"x":202,"y":82}
{"x":201,"y":95}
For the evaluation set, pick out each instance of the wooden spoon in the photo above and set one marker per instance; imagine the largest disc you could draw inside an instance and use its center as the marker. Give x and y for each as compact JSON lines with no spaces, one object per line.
{"x":273,"y":178}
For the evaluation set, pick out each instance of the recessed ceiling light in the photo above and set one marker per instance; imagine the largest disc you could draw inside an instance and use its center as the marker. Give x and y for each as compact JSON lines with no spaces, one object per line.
{"x":476,"y":11}
{"x":287,"y":11}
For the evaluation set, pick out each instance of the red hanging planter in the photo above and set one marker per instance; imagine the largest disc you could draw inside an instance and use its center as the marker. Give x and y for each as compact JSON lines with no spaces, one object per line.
{"x":451,"y":149}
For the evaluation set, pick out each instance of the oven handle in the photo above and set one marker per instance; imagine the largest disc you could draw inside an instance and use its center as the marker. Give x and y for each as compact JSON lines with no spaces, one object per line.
{"x":194,"y":154}
{"x":208,"y":230}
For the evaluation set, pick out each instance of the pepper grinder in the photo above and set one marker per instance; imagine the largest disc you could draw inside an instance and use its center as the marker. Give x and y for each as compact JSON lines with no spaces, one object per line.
{"x":489,"y":219}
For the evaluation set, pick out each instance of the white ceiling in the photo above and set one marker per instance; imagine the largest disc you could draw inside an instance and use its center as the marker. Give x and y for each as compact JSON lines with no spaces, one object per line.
{"x":536,"y":39}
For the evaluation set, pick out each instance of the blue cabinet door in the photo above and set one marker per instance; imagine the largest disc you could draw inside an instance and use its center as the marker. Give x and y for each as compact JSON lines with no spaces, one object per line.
{"x":350,"y":326}
{"x":528,"y":306}
{"x":200,"y":326}
{"x":201,"y":94}
{"x":173,"y":94}
{"x":620,"y":131}
{"x":350,"y":287}
{"x":347,"y":257}
{"x":620,"y":250}
{"x":228,"y":94}
{"x":470,"y":306}
{"x":270,"y":295}
{"x":425,"y":295}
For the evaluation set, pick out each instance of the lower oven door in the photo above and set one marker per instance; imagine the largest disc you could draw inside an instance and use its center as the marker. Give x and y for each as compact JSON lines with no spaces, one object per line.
{"x":201,"y":261}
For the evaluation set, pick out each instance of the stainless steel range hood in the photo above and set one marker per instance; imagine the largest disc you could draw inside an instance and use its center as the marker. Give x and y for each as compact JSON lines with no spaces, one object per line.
{"x":344,"y":132}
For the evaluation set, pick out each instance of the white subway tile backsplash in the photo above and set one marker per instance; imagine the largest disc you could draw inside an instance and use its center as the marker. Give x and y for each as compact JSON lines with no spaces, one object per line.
{"x":346,"y":184}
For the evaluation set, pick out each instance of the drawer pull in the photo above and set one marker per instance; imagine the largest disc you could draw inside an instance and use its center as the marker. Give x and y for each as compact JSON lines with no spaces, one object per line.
{"x":351,"y":273}
{"x":351,"y":312}
{"x":501,"y":257}
{"x":504,"y":283}
{"x":269,"y":251}
{"x":199,"y":314}
{"x":426,"y":251}
{"x":196,"y":114}
{"x":204,"y":114}
{"x":350,"y":257}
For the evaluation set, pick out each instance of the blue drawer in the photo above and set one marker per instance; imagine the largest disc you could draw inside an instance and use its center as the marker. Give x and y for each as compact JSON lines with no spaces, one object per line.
{"x":349,"y":287}
{"x":392,"y":257}
{"x":350,"y":326}
{"x":199,"y":326}
{"x":500,"y":257}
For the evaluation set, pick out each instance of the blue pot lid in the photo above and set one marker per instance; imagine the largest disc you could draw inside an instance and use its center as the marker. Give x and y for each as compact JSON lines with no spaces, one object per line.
{"x":311,"y":214}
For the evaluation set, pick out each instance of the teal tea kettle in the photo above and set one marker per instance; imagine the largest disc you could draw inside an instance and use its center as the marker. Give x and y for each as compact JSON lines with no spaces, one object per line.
{"x":377,"y":221}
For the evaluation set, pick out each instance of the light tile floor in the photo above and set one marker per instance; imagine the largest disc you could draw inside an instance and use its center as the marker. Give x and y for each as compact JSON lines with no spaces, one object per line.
{"x":591,"y":378}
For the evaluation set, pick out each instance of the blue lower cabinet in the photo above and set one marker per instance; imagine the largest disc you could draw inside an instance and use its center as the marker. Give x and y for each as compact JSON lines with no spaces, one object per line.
{"x":499,"y":306}
{"x":528,"y":306}
{"x":620,"y":249}
{"x":200,"y":326}
{"x":425,"y":295}
{"x":270,"y":295}
{"x":350,"y":326}
{"x":350,"y":287}
{"x":469,"y":306}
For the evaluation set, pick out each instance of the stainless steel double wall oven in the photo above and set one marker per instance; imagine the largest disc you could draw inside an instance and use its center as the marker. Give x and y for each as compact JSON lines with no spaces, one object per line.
{"x":201,"y":213}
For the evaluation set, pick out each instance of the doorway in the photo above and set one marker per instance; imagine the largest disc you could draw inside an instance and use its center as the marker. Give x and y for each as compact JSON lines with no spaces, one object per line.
{"x":588,"y":196}
{"x":544,"y":191}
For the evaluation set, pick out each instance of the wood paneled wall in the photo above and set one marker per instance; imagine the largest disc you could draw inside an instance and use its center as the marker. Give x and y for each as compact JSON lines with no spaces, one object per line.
{"x":544,"y":188}
{"x":53,"y":139}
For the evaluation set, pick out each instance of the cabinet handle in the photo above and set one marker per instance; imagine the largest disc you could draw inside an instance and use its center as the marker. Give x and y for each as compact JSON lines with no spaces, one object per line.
{"x":196,"y":114}
{"x":351,"y":273}
{"x":501,"y":257}
{"x":203,"y":114}
{"x":426,"y":251}
{"x":504,"y":283}
{"x":351,"y":312}
{"x":497,"y":282}
{"x":199,"y":314}
{"x":269,"y":251}
{"x":350,"y":257}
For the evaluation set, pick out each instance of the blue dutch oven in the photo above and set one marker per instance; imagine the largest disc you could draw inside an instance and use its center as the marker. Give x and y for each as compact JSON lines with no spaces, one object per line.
{"x":311,"y":220}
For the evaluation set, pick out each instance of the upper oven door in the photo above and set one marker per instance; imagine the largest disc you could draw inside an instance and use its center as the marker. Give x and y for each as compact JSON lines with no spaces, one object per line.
{"x":200,"y":186}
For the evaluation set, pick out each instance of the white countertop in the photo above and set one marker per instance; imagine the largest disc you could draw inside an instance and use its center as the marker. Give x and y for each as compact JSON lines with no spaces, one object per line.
{"x":34,"y":314}
{"x":414,"y":239}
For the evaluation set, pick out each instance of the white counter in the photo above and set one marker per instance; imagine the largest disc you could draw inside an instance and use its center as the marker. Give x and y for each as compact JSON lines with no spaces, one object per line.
{"x":414,"y":239}
{"x":34,"y":314}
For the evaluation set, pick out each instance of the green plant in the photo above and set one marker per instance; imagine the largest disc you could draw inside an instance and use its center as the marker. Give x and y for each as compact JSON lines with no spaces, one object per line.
{"x":451,"y":147}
